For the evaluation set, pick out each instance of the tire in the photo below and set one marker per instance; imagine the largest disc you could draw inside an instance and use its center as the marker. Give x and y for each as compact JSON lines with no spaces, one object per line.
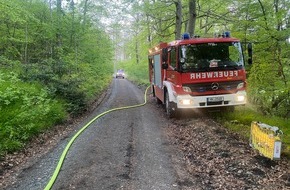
{"x":158,"y":101}
{"x":170,"y":107}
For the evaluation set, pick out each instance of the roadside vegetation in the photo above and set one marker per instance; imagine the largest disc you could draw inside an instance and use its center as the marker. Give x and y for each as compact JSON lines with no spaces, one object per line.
{"x":54,"y":62}
{"x":26,"y":110}
{"x":136,"y":73}
{"x":240,"y":121}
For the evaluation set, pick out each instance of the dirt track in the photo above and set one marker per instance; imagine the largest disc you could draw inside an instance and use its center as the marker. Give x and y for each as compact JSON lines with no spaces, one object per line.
{"x":141,"y":149}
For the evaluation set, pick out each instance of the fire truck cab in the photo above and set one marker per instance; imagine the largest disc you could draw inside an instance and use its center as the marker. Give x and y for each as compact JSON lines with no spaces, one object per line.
{"x":198,"y":73}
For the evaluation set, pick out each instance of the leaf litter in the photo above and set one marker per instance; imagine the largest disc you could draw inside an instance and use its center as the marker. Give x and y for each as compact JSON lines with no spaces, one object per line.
{"x":216,"y":158}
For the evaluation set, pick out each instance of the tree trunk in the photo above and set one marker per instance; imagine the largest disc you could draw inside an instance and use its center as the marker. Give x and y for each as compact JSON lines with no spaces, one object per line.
{"x":178,"y":20}
{"x":50,"y":46}
{"x":137,"y":51}
{"x":278,"y":45}
{"x":149,"y":35}
{"x":136,"y":39}
{"x":279,"y":21}
{"x":59,"y":16}
{"x":26,"y":44}
{"x":85,"y":13}
{"x":72,"y":34}
{"x":192,"y":17}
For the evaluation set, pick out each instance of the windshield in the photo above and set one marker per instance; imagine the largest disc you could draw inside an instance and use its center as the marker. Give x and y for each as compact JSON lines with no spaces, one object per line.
{"x":211,"y":57}
{"x":120,"y":71}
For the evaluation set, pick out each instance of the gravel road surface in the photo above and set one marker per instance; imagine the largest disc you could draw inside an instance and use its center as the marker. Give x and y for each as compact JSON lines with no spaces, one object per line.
{"x":140,"y":148}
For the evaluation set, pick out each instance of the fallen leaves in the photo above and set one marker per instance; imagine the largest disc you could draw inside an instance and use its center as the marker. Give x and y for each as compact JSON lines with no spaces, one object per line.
{"x":219,"y":159}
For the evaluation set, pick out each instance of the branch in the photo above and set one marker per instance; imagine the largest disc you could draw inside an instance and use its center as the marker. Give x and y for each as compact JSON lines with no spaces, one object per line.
{"x":264,"y":14}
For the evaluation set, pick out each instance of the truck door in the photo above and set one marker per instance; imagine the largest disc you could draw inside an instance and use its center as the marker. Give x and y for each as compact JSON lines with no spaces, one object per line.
{"x":151,"y":70}
{"x":171,"y":72}
{"x":157,"y":71}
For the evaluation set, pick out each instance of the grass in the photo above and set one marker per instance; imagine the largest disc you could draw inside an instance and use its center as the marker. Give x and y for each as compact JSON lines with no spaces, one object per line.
{"x":240,"y":121}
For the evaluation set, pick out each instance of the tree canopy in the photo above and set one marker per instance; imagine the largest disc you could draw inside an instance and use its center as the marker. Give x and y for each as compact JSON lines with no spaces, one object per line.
{"x":55,"y":59}
{"x":59,"y":44}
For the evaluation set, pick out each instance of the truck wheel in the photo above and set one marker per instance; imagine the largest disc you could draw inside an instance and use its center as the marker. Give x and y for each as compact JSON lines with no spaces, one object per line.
{"x":170,"y":107}
{"x":158,"y":101}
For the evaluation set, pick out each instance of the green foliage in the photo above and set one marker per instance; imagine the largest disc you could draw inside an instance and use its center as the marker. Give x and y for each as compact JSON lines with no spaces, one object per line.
{"x":73,"y":61}
{"x":271,"y":96}
{"x":266,"y":27}
{"x":137,"y":73}
{"x":52,"y":62}
{"x":25,"y":109}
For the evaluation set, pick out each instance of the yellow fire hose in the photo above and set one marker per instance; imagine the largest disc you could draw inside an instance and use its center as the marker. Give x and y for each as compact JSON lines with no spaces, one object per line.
{"x":64,"y":153}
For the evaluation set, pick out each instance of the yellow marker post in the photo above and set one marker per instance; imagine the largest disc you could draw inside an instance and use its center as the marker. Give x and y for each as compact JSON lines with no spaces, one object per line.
{"x":266,"y":139}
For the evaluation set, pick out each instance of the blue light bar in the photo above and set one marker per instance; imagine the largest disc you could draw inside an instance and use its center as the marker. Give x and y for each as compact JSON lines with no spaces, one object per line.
{"x":185,"y":36}
{"x":227,"y":34}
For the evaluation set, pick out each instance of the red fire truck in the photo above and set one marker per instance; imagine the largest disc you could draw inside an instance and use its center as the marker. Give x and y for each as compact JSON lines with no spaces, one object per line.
{"x":198,"y":73}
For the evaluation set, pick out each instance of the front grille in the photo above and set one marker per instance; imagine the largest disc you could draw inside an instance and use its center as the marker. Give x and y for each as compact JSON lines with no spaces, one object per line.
{"x":228,"y":86}
{"x":214,"y":103}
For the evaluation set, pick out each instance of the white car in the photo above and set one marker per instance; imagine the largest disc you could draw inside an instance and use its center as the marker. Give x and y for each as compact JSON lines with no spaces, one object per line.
{"x":120,"y":74}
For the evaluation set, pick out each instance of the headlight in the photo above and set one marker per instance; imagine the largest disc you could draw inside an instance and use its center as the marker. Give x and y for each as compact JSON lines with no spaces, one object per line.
{"x":186,"y":89}
{"x":185,"y":102}
{"x":241,"y":98}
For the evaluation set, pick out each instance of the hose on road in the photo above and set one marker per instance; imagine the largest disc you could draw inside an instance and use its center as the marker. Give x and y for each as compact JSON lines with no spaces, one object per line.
{"x":64,"y":153}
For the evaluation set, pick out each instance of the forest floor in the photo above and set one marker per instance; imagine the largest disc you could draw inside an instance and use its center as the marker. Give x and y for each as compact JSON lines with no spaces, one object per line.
{"x":219,"y":159}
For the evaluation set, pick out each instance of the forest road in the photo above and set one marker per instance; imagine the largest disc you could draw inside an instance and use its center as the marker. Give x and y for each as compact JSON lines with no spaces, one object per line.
{"x":140,"y":149}
{"x":124,"y":149}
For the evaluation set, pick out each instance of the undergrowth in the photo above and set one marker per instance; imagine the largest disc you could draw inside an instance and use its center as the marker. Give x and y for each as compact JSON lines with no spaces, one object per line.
{"x":240,"y":121}
{"x":26,"y":109}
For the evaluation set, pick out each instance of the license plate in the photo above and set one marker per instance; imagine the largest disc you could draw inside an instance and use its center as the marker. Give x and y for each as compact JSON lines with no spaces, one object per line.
{"x":215,"y":99}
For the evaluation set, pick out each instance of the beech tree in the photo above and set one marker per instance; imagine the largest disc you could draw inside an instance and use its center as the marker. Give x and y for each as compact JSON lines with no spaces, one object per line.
{"x":191,"y":17}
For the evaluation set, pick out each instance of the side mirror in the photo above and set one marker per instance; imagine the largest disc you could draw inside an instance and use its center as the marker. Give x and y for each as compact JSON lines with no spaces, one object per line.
{"x":250,"y":53}
{"x":182,"y":61}
{"x":164,"y":55}
{"x":164,"y":66}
